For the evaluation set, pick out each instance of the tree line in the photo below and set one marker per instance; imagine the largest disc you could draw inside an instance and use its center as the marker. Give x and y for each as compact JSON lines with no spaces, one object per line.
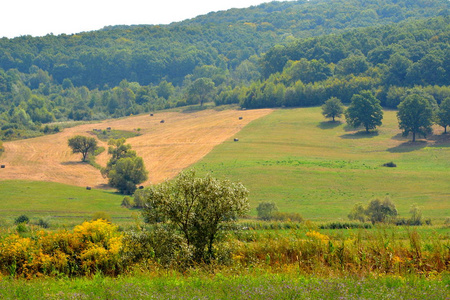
{"x":229,"y":58}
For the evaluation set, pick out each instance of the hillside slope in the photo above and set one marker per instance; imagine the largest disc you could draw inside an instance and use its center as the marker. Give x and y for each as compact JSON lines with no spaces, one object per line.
{"x":166,"y":148}
{"x":320,"y":169}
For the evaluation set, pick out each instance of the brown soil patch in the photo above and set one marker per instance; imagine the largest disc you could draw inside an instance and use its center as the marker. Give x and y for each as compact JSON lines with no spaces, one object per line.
{"x":167,"y":148}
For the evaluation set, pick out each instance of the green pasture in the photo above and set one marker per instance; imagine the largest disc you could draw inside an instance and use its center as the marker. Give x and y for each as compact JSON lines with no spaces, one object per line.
{"x":320,"y":169}
{"x":260,"y":284}
{"x":63,"y":204}
{"x":293,"y":157}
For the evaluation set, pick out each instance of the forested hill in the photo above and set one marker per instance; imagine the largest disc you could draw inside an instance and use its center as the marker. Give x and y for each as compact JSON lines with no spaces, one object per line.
{"x":274,"y":54}
{"x":147,"y":54}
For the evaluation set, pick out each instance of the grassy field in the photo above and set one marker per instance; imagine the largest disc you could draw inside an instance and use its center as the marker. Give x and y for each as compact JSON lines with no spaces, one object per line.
{"x":293,"y":157}
{"x":62,"y":204}
{"x":250,"y":286}
{"x":320,"y":169}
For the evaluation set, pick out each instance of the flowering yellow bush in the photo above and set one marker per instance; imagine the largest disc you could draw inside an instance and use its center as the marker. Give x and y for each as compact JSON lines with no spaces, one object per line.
{"x":92,"y":247}
{"x":317,"y":236}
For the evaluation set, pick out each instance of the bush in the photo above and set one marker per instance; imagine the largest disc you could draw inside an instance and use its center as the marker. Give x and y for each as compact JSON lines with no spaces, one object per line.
{"x":127,"y":202}
{"x":44,"y":223}
{"x":101,"y":216}
{"x":345,"y":225}
{"x":377,"y":211}
{"x":266,"y":210}
{"x":22,"y":219}
{"x":284,"y":216}
{"x":390,"y":165}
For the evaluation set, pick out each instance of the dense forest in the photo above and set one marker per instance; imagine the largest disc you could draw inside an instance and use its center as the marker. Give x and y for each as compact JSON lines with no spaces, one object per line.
{"x":295,"y":53}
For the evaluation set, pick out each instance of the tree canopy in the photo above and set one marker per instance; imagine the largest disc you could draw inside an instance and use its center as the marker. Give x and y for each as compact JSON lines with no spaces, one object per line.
{"x":364,"y":110}
{"x":198,"y":208}
{"x":84,"y":145}
{"x":415,"y":115}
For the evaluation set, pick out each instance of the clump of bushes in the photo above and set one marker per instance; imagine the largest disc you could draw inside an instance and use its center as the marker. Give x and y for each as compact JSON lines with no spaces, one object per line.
{"x":390,"y":165}
{"x":378,"y":211}
{"x":22,"y":219}
{"x":268,"y":211}
{"x":92,"y":247}
{"x":345,"y":225}
{"x":102,"y":216}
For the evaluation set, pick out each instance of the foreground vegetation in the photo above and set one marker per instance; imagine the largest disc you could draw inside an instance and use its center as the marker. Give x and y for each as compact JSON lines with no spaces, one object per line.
{"x":238,"y":284}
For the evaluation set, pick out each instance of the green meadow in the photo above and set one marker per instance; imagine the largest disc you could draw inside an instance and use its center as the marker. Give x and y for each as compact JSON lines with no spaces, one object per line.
{"x":293,"y":157}
{"x":62,"y":204}
{"x":320,"y":169}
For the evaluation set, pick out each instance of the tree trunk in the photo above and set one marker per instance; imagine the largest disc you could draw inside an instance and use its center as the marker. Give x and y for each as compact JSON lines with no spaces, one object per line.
{"x":414,"y":136}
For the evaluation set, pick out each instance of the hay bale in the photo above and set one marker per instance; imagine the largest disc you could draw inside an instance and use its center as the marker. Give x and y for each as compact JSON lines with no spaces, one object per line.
{"x":3,"y":166}
{"x":88,"y":188}
{"x":236,"y":140}
{"x":162,"y":121}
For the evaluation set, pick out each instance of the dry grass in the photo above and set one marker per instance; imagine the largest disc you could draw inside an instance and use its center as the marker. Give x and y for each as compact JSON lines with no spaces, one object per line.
{"x":166,"y":148}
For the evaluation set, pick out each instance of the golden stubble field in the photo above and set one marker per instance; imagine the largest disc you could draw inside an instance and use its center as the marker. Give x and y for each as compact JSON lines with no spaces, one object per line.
{"x":167,"y":148}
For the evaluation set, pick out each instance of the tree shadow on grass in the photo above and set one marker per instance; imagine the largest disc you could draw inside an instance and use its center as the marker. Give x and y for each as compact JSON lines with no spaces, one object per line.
{"x":329,"y":124}
{"x":360,"y":135}
{"x":408,"y":147}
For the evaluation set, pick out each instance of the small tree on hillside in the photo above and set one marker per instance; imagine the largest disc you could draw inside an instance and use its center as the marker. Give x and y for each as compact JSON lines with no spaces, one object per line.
{"x":364,"y":110}
{"x":333,"y":108}
{"x":127,"y":173}
{"x":443,"y":115}
{"x":124,"y":170}
{"x":83,"y":145}
{"x":415,"y":115}
{"x":197,"y":208}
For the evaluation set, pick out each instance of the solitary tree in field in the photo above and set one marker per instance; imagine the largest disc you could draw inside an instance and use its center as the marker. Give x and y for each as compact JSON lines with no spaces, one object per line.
{"x":333,"y":108}
{"x":83,"y":145}
{"x":126,"y":173}
{"x":415,"y":115}
{"x":443,"y":115}
{"x":124,"y":170}
{"x":197,"y":208}
{"x":364,"y":110}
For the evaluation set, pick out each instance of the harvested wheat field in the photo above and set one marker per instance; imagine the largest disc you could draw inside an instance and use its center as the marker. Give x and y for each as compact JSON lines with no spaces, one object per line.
{"x":167,"y":148}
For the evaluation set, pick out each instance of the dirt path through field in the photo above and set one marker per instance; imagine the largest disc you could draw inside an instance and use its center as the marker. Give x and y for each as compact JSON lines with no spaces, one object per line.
{"x":167,"y":148}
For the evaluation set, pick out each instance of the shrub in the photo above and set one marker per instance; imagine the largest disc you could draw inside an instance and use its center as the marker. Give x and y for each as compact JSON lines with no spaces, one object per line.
{"x":345,"y":225}
{"x":377,"y":211}
{"x":102,"y":216}
{"x":44,"y":223}
{"x":266,"y":210}
{"x":284,"y":216}
{"x":127,"y":202}
{"x":22,"y":219}
{"x":390,"y":165}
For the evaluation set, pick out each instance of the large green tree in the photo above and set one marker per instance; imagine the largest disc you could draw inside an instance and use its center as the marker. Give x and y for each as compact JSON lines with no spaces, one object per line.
{"x":84,"y":145}
{"x":197,"y":207}
{"x":200,"y":90}
{"x":332,"y":108}
{"x":126,"y":173}
{"x":415,"y":115}
{"x":443,"y":115}
{"x":365,"y":109}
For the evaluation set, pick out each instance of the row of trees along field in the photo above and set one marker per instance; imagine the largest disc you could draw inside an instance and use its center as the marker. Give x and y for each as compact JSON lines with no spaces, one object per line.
{"x":416,"y":113}
{"x":227,"y":58}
